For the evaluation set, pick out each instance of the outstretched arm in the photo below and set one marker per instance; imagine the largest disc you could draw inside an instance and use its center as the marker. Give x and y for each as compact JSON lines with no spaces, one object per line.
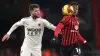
{"x":58,"y":28}
{"x":81,"y":38}
{"x":14,"y":26}
{"x":61,"y":25}
{"x":49,"y":25}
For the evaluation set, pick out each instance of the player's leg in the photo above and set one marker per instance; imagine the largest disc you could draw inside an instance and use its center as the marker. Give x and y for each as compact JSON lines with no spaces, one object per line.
{"x":75,"y":51}
{"x":37,"y":53}
{"x":64,"y":51}
{"x":25,"y":52}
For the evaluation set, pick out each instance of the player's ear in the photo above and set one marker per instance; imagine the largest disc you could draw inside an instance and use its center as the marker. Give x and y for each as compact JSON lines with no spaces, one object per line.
{"x":30,"y":12}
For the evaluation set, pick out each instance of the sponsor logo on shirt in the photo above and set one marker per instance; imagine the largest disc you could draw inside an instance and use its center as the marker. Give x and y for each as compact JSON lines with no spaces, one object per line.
{"x":34,"y":31}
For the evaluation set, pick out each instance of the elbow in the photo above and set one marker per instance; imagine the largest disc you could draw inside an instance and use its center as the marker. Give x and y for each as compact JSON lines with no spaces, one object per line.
{"x":16,"y":24}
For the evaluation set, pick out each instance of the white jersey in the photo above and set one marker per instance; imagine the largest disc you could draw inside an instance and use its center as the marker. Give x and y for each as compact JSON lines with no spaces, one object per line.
{"x":34,"y":29}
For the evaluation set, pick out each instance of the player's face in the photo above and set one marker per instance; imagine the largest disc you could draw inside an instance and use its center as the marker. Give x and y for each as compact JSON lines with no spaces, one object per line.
{"x":35,"y":12}
{"x":75,"y":9}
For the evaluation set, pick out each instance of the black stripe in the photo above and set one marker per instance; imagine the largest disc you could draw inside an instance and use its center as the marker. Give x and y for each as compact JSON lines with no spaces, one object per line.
{"x":66,"y":35}
{"x":63,"y":36}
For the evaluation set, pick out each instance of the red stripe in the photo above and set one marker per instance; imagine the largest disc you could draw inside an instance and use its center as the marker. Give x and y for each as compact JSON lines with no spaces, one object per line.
{"x":72,"y":25}
{"x":74,"y":37}
{"x":70,"y":33}
{"x":96,"y":23}
{"x":73,"y":33}
{"x":62,"y":37}
{"x":71,"y":37}
{"x":74,"y":41}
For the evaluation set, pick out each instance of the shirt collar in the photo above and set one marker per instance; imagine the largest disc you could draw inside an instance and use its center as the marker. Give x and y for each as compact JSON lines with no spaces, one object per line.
{"x":32,"y":18}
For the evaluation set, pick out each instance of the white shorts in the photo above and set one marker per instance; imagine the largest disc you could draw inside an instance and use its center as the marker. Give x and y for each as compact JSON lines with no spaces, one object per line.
{"x":27,"y":52}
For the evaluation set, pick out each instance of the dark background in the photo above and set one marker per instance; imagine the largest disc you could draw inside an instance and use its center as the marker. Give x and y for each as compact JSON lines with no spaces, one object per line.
{"x":13,"y":10}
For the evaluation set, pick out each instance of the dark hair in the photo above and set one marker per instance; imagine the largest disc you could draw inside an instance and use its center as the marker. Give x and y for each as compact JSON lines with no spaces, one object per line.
{"x":32,"y":6}
{"x":74,"y":3}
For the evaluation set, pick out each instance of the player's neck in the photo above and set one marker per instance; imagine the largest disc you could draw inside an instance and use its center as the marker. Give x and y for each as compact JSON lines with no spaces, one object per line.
{"x":74,"y":15}
{"x":34,"y":17}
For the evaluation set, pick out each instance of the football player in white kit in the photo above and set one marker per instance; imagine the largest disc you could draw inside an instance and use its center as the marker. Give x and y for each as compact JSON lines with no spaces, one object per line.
{"x":34,"y":28}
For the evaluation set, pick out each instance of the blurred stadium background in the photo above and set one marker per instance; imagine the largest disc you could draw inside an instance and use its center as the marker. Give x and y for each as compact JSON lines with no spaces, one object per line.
{"x":13,"y":10}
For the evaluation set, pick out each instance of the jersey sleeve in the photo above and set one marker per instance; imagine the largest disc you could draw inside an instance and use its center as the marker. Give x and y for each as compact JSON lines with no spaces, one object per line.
{"x":78,"y":19}
{"x":65,"y":20}
{"x":58,"y":28}
{"x":81,"y":38}
{"x":48,"y":24}
{"x":15,"y":25}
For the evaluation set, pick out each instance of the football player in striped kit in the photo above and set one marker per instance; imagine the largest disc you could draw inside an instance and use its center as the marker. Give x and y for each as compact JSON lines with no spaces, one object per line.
{"x":69,"y":26}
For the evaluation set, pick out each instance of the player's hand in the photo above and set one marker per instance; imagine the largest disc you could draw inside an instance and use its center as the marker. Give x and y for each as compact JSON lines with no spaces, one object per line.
{"x":88,"y":45}
{"x":55,"y":41}
{"x":85,"y":41}
{"x":6,"y":37}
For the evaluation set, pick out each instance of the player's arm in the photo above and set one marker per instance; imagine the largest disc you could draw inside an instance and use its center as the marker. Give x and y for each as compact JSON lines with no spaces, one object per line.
{"x":55,"y":40}
{"x":58,"y":29}
{"x":81,"y":38}
{"x":48,"y":24}
{"x":61,"y":25}
{"x":14,"y":26}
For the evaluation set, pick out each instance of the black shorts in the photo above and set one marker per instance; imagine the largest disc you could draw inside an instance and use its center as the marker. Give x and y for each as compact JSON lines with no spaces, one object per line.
{"x":70,"y":50}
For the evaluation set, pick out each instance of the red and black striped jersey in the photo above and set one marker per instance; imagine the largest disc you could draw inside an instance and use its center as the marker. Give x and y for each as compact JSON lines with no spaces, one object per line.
{"x":70,"y":34}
